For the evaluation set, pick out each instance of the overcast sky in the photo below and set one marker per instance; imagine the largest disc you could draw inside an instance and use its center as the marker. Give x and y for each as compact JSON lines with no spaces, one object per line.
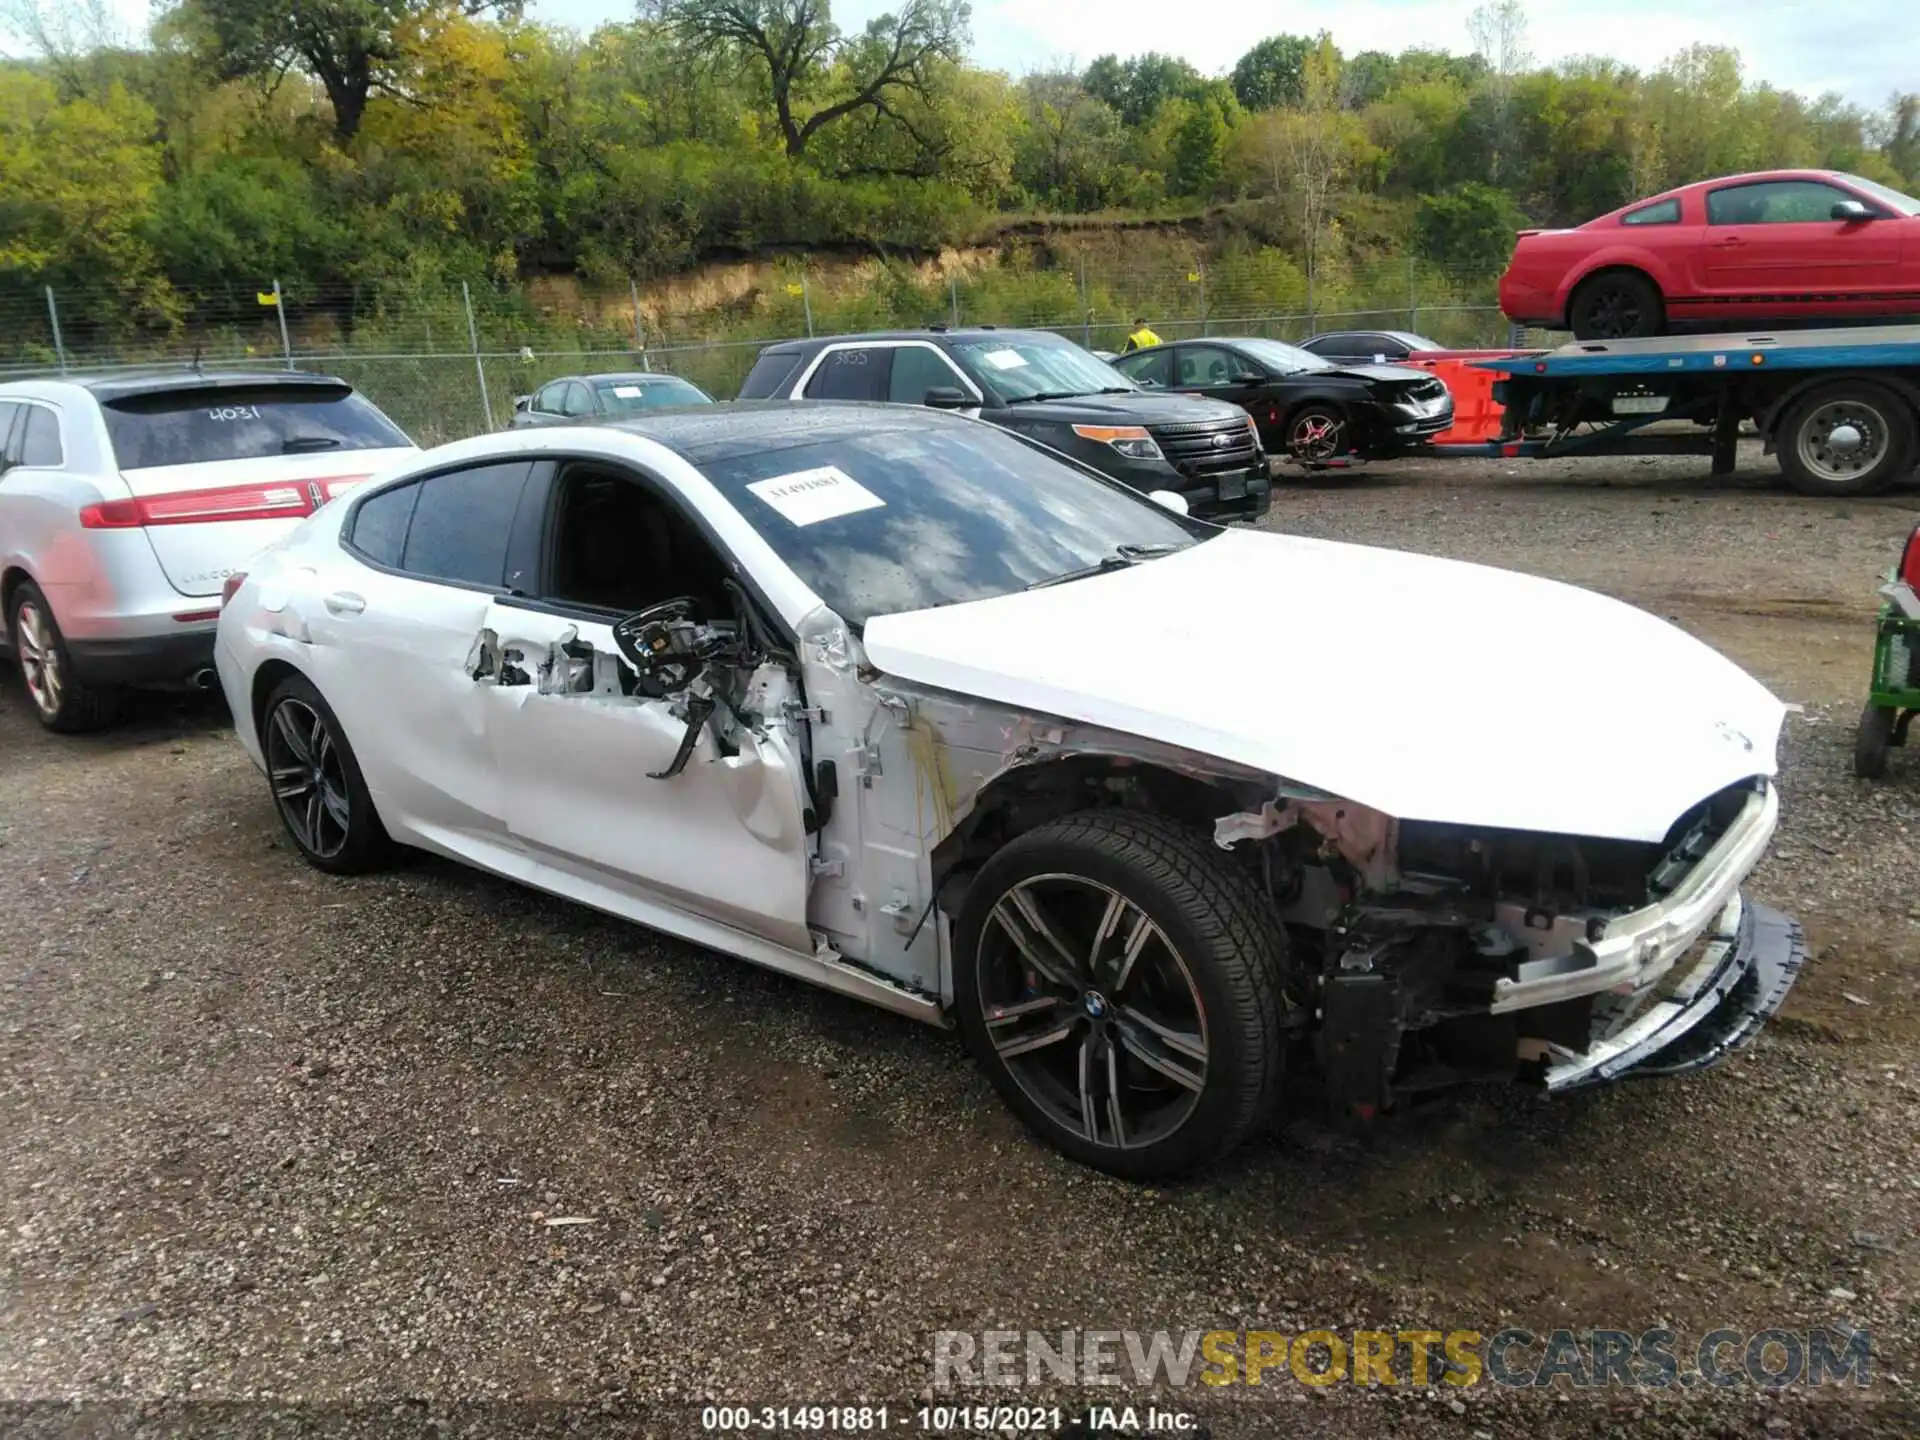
{"x":1865,"y":49}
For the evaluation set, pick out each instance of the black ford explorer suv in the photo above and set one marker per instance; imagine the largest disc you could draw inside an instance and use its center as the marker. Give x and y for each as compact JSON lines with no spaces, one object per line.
{"x":1046,"y":388}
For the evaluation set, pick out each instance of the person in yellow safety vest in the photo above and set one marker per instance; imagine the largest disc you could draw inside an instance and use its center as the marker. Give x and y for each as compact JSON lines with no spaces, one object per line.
{"x":1141,"y":337}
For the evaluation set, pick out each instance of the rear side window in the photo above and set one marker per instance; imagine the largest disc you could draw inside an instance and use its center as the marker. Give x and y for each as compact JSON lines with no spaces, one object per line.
{"x":40,"y":441}
{"x":1666,"y":212}
{"x":462,"y":523}
{"x":770,"y":374}
{"x":380,"y":524}
{"x":195,"y":427}
{"x":857,"y":374}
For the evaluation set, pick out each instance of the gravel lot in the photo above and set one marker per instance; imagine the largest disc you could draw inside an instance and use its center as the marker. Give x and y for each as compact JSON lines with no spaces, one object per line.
{"x":270,"y":1136}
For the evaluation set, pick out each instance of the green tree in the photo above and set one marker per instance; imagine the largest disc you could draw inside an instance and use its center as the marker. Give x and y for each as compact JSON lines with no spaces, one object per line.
{"x":82,"y":176}
{"x":1270,"y":73}
{"x":1470,"y":228}
{"x":815,"y":74}
{"x":1136,"y":89}
{"x":1899,"y":136}
{"x":1199,"y":149}
{"x":351,"y":47}
{"x":1069,"y":153}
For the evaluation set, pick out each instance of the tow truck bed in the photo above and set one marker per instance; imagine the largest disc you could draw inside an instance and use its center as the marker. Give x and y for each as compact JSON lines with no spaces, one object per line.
{"x":1841,"y":407}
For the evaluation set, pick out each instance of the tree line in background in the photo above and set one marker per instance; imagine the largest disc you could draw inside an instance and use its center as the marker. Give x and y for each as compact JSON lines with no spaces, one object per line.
{"x":378,"y":145}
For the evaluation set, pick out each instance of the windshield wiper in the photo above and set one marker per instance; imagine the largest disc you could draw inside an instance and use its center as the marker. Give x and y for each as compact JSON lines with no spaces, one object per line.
{"x":1072,"y":394}
{"x":295,"y":443}
{"x":1123,"y":557}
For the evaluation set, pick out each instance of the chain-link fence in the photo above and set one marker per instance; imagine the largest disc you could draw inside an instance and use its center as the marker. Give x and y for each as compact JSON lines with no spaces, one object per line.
{"x":447,"y":360}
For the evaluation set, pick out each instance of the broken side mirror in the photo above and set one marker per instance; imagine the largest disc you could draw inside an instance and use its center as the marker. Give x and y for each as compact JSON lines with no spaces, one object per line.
{"x":947,"y":397}
{"x":1169,"y":500}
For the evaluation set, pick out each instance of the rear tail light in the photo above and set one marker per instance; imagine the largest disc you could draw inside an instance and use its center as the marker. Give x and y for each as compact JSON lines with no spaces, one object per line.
{"x":286,"y":501}
{"x":1910,"y":560}
{"x":231,"y":585}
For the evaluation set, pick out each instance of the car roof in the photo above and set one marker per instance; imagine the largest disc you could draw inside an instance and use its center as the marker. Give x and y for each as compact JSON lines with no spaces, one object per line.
{"x":740,"y":427}
{"x":1405,"y":337}
{"x":620,"y":377}
{"x":932,"y":334}
{"x":153,"y":382}
{"x":158,"y":381}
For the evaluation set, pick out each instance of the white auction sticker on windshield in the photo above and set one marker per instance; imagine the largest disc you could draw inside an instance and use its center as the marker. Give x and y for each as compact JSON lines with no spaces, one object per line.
{"x":627,"y":392}
{"x":1004,"y":359}
{"x":806,"y":497}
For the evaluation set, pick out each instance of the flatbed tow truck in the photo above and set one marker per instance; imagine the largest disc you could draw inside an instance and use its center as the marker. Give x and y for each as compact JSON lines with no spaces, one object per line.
{"x":1840,"y":408}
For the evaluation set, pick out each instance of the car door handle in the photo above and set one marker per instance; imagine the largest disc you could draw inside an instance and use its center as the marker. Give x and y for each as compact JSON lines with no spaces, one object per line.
{"x":345,"y":602}
{"x":1725,"y":240}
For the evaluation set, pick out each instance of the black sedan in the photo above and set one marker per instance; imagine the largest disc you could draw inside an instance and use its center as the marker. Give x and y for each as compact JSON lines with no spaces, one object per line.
{"x":597,"y":399}
{"x":1316,"y":411}
{"x":1378,"y":347}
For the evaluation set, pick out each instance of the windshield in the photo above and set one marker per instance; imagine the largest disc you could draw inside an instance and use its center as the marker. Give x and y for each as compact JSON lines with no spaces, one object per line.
{"x":647,"y":392}
{"x":1893,"y":199}
{"x":1284,"y":358}
{"x":1027,"y":367}
{"x":912,"y":518}
{"x":243,"y":422}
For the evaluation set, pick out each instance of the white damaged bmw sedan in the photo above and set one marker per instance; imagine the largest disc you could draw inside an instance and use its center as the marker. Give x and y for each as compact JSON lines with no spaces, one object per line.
{"x":899,"y":703}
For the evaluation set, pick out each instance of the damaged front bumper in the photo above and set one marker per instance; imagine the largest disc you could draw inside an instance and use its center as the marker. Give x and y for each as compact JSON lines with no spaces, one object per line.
{"x":1740,"y":980}
{"x":1635,"y":951}
{"x":1646,"y":1020}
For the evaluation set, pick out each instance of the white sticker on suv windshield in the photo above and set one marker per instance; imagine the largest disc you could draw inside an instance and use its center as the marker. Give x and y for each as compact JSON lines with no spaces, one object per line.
{"x":1004,"y":359}
{"x":627,"y":392}
{"x":806,"y":497}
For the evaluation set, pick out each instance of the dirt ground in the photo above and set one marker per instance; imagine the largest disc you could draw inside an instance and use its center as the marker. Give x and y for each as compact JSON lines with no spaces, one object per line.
{"x":271,"y":1137}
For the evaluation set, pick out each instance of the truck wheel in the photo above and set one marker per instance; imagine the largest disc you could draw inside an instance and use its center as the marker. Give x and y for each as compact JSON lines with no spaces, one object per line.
{"x":1617,"y":305}
{"x":1871,"y":740}
{"x":62,"y":701}
{"x":1119,"y":980}
{"x":1851,"y":437}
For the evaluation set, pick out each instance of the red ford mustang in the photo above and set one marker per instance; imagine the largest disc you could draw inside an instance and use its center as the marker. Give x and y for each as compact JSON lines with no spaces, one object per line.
{"x":1773,"y":246}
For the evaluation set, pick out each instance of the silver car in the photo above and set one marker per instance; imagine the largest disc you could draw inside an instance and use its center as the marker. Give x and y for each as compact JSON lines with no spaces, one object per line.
{"x":598,"y":399}
{"x":126,"y":502}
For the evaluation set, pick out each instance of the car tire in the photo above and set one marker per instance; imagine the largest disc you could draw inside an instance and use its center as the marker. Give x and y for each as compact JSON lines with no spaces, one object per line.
{"x":1145,"y":1037}
{"x":60,"y":700}
{"x":1317,"y":433}
{"x":1617,"y":305}
{"x":1881,"y":451}
{"x":318,"y":790}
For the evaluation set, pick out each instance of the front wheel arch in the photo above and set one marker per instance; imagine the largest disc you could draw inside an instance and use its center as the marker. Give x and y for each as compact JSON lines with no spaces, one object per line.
{"x":1212,"y":937}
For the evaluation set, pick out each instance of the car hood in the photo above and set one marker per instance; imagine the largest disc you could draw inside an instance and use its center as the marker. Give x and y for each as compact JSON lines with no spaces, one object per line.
{"x":1398,"y":374}
{"x":1429,"y":689}
{"x":1141,"y":407}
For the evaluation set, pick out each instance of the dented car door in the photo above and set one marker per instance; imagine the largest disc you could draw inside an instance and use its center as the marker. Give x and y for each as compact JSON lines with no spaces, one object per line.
{"x":593,"y":780}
